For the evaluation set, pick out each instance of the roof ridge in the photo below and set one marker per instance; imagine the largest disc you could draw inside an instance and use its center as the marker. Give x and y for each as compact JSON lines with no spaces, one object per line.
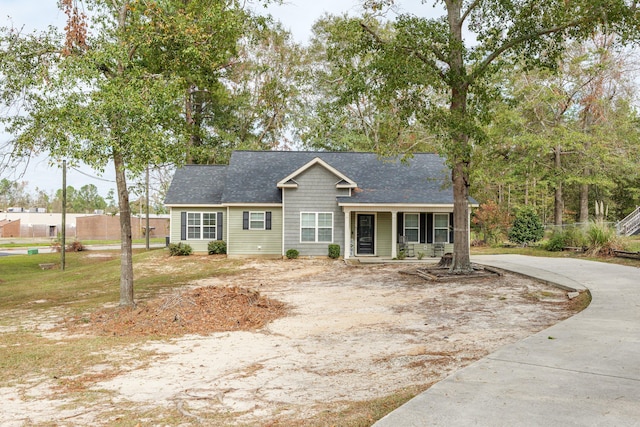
{"x":332,"y":152}
{"x":195,"y":165}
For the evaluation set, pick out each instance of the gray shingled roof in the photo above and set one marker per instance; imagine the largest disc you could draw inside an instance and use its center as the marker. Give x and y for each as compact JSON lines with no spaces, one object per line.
{"x":251,"y":177}
{"x":197,"y":185}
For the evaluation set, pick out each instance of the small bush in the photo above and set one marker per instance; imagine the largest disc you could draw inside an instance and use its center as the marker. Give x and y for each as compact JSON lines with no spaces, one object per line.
{"x":575,"y":237}
{"x":217,"y":247}
{"x":292,"y":254}
{"x":179,"y":249}
{"x":491,"y":221}
{"x":401,"y":255}
{"x":75,"y":246}
{"x":334,"y":251}
{"x":555,"y":243}
{"x":420,"y":255}
{"x":527,"y":227}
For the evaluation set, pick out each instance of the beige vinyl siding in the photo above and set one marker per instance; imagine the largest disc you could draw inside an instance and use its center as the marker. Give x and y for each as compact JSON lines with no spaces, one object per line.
{"x":197,"y":244}
{"x":383,"y":234}
{"x":254,"y":242}
{"x":316,"y":193}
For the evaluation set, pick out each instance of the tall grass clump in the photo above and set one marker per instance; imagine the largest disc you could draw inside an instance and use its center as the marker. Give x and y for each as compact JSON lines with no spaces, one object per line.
{"x":602,"y":240}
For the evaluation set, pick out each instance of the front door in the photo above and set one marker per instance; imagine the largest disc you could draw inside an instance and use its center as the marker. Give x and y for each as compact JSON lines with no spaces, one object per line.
{"x":365,"y":234}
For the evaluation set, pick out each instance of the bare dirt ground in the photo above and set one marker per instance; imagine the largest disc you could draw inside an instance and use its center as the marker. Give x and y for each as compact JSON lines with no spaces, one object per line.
{"x":351,"y":333}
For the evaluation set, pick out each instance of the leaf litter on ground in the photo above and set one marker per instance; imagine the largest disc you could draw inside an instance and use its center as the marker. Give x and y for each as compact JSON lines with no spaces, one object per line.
{"x":202,"y":310}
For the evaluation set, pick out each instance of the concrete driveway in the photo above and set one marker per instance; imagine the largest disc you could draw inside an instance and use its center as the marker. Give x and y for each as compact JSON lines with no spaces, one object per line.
{"x":584,"y":371}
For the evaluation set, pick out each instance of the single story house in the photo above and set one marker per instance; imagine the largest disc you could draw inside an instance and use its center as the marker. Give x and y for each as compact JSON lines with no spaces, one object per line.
{"x":267,"y":202}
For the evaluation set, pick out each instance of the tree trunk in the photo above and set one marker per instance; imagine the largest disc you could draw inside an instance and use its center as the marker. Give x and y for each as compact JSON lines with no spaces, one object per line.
{"x":558,"y":208}
{"x":461,"y":153}
{"x":188,"y":109}
{"x":584,"y":204}
{"x":126,"y":253}
{"x":193,"y":117}
{"x":461,"y":248}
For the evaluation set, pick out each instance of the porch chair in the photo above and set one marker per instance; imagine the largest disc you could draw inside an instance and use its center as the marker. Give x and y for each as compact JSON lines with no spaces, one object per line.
{"x":438,"y":249}
{"x":405,"y":247}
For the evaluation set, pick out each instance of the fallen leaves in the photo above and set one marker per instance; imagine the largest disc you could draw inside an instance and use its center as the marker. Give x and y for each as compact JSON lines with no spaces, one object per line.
{"x":202,"y":310}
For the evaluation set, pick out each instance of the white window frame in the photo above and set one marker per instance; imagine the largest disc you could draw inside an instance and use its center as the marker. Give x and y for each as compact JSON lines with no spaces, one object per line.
{"x":404,"y":225}
{"x":440,"y":228}
{"x":200,"y":227}
{"x":263,"y":220}
{"x":316,"y":227}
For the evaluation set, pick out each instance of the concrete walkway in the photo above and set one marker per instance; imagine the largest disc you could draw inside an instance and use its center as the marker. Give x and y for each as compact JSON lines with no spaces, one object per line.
{"x":584,"y":371}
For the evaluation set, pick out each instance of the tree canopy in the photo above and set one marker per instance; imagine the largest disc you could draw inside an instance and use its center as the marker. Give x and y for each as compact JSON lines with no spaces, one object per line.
{"x":112,"y":87}
{"x":443,"y":68}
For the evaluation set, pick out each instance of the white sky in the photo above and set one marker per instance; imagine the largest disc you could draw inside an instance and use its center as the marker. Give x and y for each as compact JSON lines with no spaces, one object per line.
{"x":296,"y":16}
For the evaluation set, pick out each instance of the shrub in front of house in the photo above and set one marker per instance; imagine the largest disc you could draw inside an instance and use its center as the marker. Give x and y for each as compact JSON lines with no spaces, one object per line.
{"x":292,"y":254}
{"x":217,"y":247}
{"x":334,"y":251}
{"x":179,"y":249}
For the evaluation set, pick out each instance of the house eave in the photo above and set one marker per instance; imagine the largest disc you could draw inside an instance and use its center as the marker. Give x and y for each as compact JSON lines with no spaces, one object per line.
{"x":269,"y":205}
{"x":399,"y":206}
{"x":193,"y":205}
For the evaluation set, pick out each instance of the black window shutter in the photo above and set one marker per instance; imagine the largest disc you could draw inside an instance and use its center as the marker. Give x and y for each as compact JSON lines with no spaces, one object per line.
{"x":267,"y":220}
{"x":423,"y":227}
{"x":400,"y":223}
{"x":429,"y":228}
{"x":219,"y":226}
{"x":451,"y":227}
{"x":245,"y":220}
{"x":183,"y":226}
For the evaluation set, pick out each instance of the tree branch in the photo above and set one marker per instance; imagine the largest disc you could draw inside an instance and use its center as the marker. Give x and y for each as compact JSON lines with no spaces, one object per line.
{"x":469,"y":10}
{"x":427,"y":61}
{"x":515,"y":42}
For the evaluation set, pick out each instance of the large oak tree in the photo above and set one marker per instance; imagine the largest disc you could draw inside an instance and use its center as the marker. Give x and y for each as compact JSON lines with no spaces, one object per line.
{"x":457,"y":54}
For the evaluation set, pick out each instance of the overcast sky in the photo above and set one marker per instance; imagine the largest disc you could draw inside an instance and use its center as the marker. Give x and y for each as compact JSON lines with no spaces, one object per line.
{"x":297,"y":16}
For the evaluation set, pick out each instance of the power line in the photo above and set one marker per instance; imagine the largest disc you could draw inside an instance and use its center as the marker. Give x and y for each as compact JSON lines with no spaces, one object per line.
{"x":92,"y":176}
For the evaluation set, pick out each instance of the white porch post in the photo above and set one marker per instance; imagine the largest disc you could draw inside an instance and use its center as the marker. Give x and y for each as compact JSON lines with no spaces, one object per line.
{"x":394,"y":234}
{"x":347,"y":233}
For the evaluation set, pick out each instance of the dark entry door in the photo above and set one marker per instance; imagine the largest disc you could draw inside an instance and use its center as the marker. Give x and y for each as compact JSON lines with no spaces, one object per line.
{"x":365,"y":234}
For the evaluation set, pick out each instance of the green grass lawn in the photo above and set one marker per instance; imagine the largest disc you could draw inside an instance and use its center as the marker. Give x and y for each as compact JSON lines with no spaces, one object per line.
{"x":92,"y":278}
{"x":29,"y":243}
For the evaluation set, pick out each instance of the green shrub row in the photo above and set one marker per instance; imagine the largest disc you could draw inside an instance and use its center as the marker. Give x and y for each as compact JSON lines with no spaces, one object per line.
{"x":334,"y":252}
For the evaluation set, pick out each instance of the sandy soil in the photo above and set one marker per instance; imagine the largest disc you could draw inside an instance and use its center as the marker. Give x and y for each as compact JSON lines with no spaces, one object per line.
{"x":353,"y":333}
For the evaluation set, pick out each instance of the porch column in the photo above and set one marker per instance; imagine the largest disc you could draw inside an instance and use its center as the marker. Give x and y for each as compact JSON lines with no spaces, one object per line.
{"x":394,"y":234}
{"x":347,"y":233}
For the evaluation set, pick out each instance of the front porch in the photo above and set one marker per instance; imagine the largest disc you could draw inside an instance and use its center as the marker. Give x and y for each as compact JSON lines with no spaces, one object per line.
{"x":382,"y":234}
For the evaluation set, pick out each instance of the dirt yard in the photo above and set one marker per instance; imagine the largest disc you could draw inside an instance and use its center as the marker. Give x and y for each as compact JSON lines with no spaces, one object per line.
{"x":349,"y":334}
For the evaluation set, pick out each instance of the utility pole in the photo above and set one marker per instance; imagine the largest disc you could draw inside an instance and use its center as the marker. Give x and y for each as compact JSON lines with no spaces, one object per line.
{"x":63,"y":240}
{"x":147,"y":231}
